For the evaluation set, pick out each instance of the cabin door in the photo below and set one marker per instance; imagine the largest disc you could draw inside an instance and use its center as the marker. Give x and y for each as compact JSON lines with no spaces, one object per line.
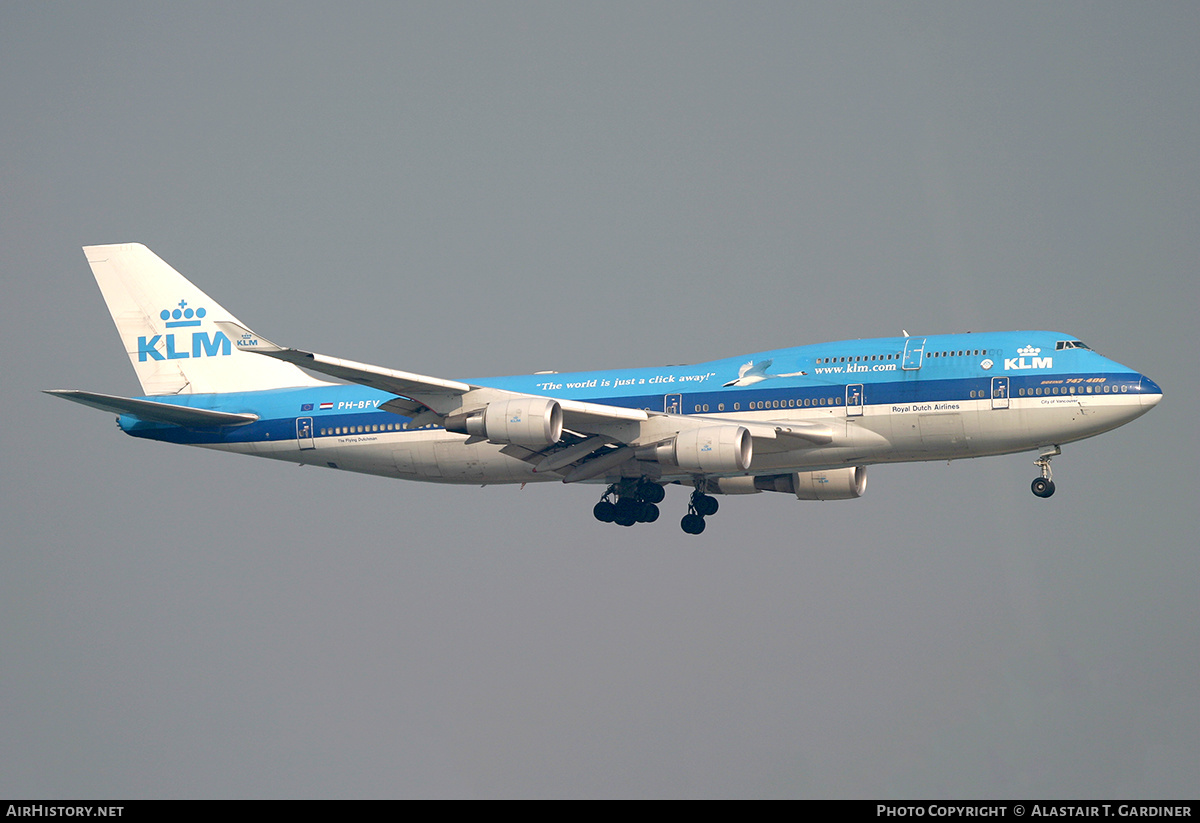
{"x":999,"y":392}
{"x":304,"y":433}
{"x":914,"y":350}
{"x":854,"y":400}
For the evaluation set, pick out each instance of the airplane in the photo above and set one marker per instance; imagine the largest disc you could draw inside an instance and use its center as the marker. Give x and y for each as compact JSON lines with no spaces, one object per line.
{"x":803,"y":421}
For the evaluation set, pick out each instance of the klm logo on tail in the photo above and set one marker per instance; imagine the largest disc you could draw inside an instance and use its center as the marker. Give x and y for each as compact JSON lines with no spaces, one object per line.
{"x":201,"y":345}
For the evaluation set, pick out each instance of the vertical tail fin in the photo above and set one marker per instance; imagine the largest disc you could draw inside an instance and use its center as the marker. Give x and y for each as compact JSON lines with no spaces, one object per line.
{"x":167,"y":326}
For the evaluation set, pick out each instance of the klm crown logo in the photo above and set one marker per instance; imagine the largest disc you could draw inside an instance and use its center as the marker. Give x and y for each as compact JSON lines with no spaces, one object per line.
{"x":182,"y":316}
{"x":202,"y":345}
{"x":1029,"y":351}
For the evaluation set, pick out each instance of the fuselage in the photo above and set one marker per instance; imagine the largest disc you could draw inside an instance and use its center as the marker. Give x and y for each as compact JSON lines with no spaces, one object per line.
{"x":885,"y":400}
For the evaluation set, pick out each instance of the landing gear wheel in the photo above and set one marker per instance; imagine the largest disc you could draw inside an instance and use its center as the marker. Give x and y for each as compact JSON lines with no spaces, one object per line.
{"x":647,"y":512}
{"x":626,"y":512}
{"x":1042,"y":487}
{"x":692,"y":523}
{"x":705,"y":505}
{"x":605,"y":512}
{"x":651,"y":493}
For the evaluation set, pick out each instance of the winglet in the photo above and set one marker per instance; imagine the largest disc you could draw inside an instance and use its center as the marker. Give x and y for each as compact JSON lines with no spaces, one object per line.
{"x":245,"y":339}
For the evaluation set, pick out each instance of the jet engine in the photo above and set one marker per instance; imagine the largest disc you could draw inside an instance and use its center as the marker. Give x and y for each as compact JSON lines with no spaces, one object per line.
{"x":834,"y":484}
{"x":525,"y":421}
{"x":711,"y":449}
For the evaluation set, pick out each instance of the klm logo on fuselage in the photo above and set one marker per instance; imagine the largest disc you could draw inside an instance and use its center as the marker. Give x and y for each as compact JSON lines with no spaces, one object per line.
{"x":1028,"y":359}
{"x":202,"y":345}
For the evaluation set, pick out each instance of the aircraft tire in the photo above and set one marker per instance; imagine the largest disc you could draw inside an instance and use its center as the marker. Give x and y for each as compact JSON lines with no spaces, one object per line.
{"x":604,"y":511}
{"x":692,"y":523}
{"x":652,"y":493}
{"x":705,"y":504}
{"x":1042,"y":487}
{"x":625,"y":512}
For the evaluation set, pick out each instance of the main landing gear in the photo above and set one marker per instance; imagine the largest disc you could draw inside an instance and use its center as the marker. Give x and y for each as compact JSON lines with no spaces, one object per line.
{"x":629,"y":502}
{"x":1044,"y":486}
{"x":700,"y":506}
{"x":636,"y":501}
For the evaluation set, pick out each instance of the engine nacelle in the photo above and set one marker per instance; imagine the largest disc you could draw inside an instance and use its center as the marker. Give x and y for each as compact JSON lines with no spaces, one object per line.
{"x":711,"y":449}
{"x":835,"y":484}
{"x":524,"y":421}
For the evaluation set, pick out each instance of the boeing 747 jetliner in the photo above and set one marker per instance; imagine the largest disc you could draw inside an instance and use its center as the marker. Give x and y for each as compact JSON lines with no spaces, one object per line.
{"x":803,"y":421}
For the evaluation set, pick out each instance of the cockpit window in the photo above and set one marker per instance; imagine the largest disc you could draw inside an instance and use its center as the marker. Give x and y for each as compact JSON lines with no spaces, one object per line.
{"x":1071,"y":344}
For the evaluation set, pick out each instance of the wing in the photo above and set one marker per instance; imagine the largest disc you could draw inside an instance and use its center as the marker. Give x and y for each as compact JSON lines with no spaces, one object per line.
{"x":421,"y":393}
{"x":594,"y":438}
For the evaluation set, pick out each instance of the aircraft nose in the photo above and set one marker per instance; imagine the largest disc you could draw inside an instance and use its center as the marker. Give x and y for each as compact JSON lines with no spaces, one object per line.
{"x":1150,"y":392}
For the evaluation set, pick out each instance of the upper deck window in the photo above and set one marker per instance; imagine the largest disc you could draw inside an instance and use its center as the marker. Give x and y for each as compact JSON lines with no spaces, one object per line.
{"x":1071,"y":344}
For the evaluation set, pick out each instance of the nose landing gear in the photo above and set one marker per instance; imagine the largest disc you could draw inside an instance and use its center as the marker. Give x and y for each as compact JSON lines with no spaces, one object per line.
{"x":1044,"y":486}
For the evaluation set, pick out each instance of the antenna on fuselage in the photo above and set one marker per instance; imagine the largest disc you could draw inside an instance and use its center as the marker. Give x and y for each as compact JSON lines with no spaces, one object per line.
{"x":905,"y":332}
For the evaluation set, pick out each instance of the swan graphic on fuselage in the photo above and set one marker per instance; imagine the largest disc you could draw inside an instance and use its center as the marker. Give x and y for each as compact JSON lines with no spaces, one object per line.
{"x":753,"y":372}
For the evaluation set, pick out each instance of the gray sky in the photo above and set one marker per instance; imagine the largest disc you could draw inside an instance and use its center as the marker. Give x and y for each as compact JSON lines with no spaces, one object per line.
{"x":462,"y":189}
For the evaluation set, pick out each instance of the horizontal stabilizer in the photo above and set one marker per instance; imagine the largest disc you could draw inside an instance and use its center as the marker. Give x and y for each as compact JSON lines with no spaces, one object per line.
{"x":153,"y":411}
